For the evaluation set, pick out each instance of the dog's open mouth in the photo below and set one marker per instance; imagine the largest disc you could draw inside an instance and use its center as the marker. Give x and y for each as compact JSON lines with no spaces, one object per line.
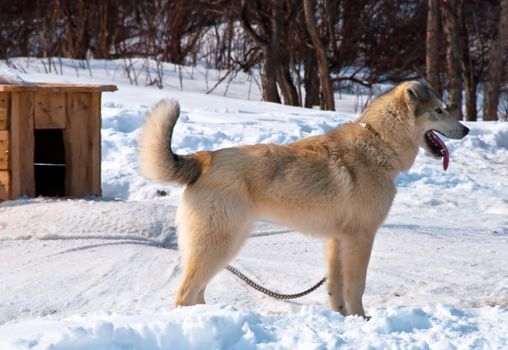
{"x":437,"y":147}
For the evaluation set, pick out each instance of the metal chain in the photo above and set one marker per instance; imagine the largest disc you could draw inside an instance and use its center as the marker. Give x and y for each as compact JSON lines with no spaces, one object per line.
{"x":266,"y":291}
{"x":271,"y":293}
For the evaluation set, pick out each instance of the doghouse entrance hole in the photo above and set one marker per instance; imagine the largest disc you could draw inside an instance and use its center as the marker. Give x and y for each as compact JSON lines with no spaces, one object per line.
{"x":49,"y":162}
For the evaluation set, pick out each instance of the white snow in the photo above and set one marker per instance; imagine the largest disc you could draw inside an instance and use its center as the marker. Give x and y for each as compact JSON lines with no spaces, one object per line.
{"x":101,"y":273}
{"x":226,"y":327}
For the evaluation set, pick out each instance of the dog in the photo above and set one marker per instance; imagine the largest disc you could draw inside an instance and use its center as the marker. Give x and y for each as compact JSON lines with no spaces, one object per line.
{"x":338,"y":186}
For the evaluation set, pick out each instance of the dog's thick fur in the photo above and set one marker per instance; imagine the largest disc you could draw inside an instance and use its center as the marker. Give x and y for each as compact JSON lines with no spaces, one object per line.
{"x":338,"y":186}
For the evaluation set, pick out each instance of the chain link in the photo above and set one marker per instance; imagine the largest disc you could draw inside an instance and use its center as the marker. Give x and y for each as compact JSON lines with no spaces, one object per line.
{"x":267,"y":291}
{"x":271,"y":293}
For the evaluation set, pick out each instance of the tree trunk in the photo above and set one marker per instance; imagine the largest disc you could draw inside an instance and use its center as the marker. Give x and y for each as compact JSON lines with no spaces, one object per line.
{"x":470,"y":80}
{"x":287,"y":88}
{"x":452,"y":11}
{"x":269,"y":44}
{"x":77,"y":36}
{"x":495,"y":72}
{"x":432,"y":49}
{"x":230,"y":36}
{"x":311,"y":80}
{"x":107,"y":18}
{"x":269,"y":79}
{"x":321,"y":57}
{"x":279,"y":49}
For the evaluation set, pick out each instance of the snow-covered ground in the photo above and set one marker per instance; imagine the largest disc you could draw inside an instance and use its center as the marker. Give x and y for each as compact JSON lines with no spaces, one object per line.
{"x":101,"y":273}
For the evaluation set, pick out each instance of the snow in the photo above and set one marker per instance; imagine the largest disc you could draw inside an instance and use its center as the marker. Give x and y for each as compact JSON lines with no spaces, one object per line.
{"x":101,"y":273}
{"x":226,"y":327}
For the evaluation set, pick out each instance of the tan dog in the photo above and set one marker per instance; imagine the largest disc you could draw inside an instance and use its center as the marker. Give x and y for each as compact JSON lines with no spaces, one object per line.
{"x":338,"y":186}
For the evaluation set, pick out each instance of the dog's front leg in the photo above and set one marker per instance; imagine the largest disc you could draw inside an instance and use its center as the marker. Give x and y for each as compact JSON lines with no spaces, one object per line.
{"x":354,"y":256}
{"x":335,"y":276}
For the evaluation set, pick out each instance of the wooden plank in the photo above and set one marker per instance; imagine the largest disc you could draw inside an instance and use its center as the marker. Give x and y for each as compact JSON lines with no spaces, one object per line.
{"x":5,"y":188}
{"x":57,"y":87}
{"x":77,"y":182}
{"x":4,"y":150}
{"x":22,"y":145}
{"x":4,"y":110}
{"x":94,"y":143}
{"x":17,"y":88}
{"x":49,"y":110}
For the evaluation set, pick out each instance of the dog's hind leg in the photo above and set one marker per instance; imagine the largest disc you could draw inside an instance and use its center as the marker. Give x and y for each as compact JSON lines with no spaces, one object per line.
{"x":335,"y":276}
{"x":209,"y":236}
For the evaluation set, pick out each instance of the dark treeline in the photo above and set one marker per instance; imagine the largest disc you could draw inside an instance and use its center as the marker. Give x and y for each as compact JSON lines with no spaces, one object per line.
{"x":320,"y":46}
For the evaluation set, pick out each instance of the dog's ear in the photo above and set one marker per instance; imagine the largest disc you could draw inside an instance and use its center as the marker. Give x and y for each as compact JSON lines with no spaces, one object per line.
{"x":417,"y":91}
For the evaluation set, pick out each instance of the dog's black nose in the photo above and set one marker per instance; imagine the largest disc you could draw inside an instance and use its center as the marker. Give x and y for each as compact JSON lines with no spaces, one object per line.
{"x":466,"y":130}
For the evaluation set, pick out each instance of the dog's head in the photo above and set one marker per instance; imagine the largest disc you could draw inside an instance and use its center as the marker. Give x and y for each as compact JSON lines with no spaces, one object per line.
{"x":431,"y":116}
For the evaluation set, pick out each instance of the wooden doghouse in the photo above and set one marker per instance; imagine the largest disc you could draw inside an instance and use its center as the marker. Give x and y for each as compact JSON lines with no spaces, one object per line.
{"x":50,"y":141}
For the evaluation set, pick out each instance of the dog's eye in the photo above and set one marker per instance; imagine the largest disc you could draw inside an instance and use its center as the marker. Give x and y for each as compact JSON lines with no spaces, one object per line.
{"x":439,"y":110}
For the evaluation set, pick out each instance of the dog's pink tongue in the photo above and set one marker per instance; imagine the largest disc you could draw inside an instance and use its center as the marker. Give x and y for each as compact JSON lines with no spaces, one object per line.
{"x":446,"y":158}
{"x":444,"y":152}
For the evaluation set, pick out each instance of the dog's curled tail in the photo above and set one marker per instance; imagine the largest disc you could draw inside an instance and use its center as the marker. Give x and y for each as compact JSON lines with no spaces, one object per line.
{"x":156,"y":159}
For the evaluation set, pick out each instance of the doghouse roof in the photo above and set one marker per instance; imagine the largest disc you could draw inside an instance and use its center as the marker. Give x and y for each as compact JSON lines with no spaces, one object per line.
{"x":56,"y":87}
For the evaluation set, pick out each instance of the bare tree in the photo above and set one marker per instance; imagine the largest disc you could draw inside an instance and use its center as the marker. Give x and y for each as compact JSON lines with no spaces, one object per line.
{"x":295,"y":42}
{"x":310,"y":79}
{"x":432,"y":48}
{"x":77,"y":35}
{"x":321,"y":57}
{"x":452,"y":12}
{"x":272,"y":18}
{"x":495,"y":71}
{"x":107,"y":23}
{"x":468,"y":69}
{"x":268,"y":76}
